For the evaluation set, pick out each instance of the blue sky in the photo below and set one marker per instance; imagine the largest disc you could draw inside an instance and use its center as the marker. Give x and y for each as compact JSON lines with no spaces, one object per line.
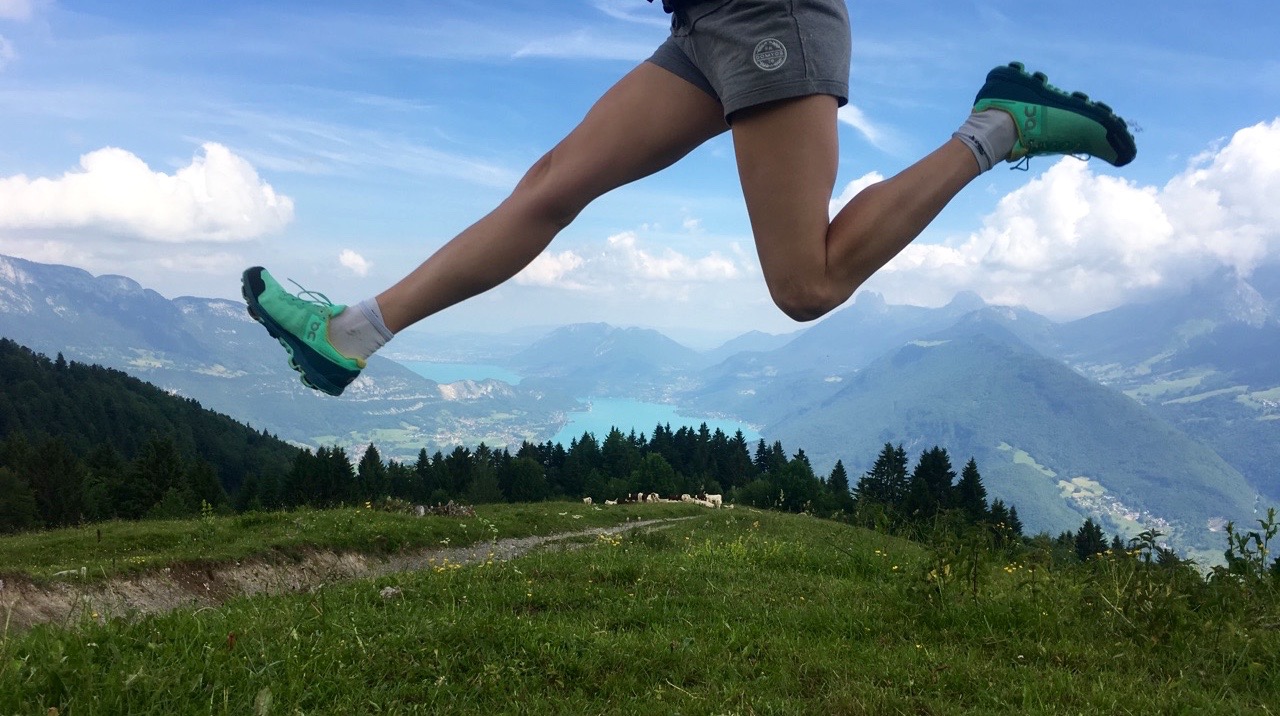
{"x":339,"y":143}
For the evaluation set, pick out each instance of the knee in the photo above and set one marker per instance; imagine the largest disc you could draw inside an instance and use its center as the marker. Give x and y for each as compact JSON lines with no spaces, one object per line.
{"x":804,"y":302}
{"x":548,"y":193}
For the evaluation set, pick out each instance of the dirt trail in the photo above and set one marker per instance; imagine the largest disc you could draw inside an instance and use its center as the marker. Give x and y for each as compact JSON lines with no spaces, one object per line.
{"x":24,"y":604}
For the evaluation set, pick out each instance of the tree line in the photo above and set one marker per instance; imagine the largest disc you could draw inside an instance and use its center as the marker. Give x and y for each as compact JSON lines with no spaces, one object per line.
{"x":82,"y":443}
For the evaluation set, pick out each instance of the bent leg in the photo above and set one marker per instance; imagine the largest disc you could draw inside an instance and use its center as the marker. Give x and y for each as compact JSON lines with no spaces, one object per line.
{"x":787,"y":154}
{"x":644,"y":123}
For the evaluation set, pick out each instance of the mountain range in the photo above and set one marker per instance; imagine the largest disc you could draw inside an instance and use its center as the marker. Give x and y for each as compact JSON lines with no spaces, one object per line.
{"x":211,"y":350}
{"x":1161,"y":414}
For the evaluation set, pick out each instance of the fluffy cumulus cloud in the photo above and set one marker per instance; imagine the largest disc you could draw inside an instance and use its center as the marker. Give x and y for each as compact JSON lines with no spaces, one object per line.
{"x":1072,"y":242}
{"x":552,"y":270}
{"x":622,"y":263}
{"x":851,"y":190}
{"x":218,"y":197}
{"x":354,"y":262}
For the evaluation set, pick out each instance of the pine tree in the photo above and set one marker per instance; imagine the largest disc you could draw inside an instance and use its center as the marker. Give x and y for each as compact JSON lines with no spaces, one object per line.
{"x":1089,"y":540}
{"x":371,"y":476}
{"x":526,"y":481}
{"x":583,"y":456}
{"x":736,"y":466}
{"x":762,"y":457}
{"x":484,"y":488}
{"x":886,"y":482}
{"x":1015,"y":524}
{"x":619,"y":455}
{"x":56,"y":476}
{"x":654,"y":474}
{"x":971,"y":495}
{"x":838,"y":485}
{"x":160,"y":466}
{"x":204,"y":486}
{"x":18,"y":509}
{"x":458,"y":471}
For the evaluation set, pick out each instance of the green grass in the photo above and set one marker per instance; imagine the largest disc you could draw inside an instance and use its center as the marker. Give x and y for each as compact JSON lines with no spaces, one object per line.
{"x":120,"y":547}
{"x":730,"y":613}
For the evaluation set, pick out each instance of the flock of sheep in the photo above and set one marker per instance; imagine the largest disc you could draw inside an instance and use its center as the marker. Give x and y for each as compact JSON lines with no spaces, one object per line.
{"x":714,"y":501}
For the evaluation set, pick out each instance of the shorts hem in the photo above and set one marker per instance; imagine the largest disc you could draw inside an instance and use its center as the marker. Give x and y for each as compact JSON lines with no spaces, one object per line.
{"x":786,"y":90}
{"x":673,"y":59}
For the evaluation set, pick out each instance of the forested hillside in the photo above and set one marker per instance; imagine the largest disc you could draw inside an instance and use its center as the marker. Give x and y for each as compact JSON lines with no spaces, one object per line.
{"x":84,"y":442}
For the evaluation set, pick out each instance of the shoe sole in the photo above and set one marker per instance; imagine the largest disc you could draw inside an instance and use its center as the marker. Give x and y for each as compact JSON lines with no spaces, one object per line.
{"x":251,"y":279}
{"x":1015,"y":83}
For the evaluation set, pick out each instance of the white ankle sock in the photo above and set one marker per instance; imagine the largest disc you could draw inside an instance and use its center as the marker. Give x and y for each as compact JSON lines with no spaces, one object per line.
{"x":990,"y":135}
{"x":358,"y":332}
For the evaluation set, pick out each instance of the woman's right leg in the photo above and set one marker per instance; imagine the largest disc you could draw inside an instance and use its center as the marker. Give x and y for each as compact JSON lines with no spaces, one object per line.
{"x":644,"y":123}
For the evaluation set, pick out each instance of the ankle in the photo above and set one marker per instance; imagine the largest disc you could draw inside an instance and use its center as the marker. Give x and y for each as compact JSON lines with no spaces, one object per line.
{"x":990,"y":135}
{"x":359,"y":331}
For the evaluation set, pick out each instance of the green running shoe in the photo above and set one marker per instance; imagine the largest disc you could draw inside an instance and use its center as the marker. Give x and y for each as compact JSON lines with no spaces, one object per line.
{"x":302,"y":327}
{"x":1051,"y":121}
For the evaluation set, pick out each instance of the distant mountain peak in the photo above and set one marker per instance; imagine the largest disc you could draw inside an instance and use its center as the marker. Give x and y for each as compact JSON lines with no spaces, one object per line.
{"x":966,"y":301}
{"x":1242,"y":303}
{"x":119,"y":284}
{"x":11,"y":272}
{"x":869,"y":301}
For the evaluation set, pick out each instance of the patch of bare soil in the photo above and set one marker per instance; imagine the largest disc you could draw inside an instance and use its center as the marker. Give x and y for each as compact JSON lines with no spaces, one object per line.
{"x":24,"y":604}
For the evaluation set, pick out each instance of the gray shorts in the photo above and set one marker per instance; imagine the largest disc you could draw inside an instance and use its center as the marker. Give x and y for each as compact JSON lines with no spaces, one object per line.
{"x":748,"y":52}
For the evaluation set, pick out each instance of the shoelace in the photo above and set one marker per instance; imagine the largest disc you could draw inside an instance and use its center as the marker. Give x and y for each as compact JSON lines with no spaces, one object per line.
{"x":315,"y":298}
{"x":1024,"y":164}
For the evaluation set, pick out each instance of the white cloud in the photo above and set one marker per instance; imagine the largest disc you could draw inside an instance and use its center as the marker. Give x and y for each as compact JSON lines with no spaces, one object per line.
{"x":584,"y":45}
{"x":879,"y":137}
{"x":668,"y":265}
{"x":354,"y":262}
{"x":1071,"y":242}
{"x":7,"y":53}
{"x":551,"y":270}
{"x":851,"y":190}
{"x":217,"y":197}
{"x":622,"y":265}
{"x":15,"y":9}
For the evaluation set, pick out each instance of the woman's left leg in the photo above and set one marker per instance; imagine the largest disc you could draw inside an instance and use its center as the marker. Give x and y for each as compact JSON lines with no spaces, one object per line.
{"x":787,"y":154}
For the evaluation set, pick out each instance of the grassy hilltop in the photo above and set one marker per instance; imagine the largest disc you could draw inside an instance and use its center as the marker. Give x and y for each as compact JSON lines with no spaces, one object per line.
{"x":730,"y":612}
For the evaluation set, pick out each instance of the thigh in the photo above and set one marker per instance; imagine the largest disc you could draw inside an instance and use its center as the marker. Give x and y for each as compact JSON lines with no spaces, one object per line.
{"x":787,"y":156}
{"x":643,"y":124}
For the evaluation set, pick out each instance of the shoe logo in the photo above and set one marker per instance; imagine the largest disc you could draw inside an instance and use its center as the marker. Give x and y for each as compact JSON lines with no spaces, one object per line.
{"x":313,"y":330}
{"x":1030,"y":112}
{"x":770,"y":54}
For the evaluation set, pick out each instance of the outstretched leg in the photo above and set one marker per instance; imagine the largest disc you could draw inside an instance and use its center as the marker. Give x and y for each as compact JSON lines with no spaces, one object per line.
{"x":646,"y":122}
{"x":787,"y":153}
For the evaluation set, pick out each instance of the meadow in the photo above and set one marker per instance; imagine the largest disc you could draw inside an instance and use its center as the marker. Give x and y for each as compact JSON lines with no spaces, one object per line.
{"x":730,"y":612}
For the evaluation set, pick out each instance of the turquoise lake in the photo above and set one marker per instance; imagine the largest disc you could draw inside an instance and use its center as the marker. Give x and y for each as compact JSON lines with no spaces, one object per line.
{"x":603,"y":413}
{"x":626,"y":415}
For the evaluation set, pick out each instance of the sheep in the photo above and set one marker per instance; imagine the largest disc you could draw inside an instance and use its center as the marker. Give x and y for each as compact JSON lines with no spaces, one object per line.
{"x":610,"y":502}
{"x":703,"y":500}
{"x":586,"y":500}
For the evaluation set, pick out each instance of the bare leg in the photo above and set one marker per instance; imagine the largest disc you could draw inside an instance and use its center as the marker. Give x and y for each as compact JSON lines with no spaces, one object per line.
{"x":787,"y":154}
{"x":646,"y":122}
